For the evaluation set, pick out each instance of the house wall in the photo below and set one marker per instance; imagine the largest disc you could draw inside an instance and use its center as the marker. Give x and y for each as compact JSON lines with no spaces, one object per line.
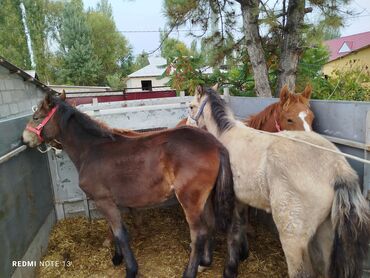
{"x":135,"y":82}
{"x":357,"y":59}
{"x":26,"y":197}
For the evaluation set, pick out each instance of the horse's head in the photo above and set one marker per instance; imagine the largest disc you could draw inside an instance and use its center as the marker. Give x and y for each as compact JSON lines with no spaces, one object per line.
{"x":42,"y":127}
{"x":295,"y":110}
{"x":196,"y":107}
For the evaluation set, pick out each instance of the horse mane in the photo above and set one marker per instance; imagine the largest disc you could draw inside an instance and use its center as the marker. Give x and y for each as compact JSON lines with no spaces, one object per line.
{"x":219,"y":110}
{"x":258,"y":120}
{"x":94,"y":127}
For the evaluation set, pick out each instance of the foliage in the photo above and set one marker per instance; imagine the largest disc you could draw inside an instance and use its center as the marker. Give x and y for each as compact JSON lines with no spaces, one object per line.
{"x":70,"y":45}
{"x":186,"y":75}
{"x":351,"y":84}
{"x":107,"y":43}
{"x":79,"y":65}
{"x":141,"y":61}
{"x":35,"y":15}
{"x":13,"y":45}
{"x":172,"y":48}
{"x":226,"y":37}
{"x":310,"y":65}
{"x":115,"y":81}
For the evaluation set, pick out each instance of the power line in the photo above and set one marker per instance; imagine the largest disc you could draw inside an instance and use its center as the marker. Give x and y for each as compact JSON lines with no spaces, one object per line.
{"x":155,"y":31}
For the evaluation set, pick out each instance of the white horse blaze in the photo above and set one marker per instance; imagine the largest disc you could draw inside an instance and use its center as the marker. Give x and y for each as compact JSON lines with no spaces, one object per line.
{"x":303,"y":115}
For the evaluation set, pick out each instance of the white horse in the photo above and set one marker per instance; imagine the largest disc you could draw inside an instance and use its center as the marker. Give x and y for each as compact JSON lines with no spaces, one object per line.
{"x":314,"y":196}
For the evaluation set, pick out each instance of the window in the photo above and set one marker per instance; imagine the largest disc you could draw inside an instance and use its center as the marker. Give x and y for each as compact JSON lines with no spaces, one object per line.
{"x":146,"y":85}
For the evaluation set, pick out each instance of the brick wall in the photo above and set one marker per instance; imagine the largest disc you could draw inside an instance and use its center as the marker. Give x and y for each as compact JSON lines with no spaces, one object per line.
{"x":16,"y":95}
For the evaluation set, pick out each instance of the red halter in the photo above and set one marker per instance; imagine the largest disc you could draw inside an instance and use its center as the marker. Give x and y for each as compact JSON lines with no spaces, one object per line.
{"x":277,"y":124}
{"x":37,"y":130}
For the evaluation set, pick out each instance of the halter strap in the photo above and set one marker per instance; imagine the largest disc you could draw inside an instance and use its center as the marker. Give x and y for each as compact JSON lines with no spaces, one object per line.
{"x":200,"y":110}
{"x":38,"y":129}
{"x":277,"y":126}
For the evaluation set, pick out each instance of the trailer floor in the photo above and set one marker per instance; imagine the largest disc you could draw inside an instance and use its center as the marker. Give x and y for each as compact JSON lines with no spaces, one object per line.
{"x":161,"y":247}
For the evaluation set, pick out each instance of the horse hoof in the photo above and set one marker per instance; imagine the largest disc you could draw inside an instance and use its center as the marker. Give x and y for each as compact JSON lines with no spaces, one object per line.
{"x":244,"y":252}
{"x":202,"y":268}
{"x":243,"y":256}
{"x":117,"y":259}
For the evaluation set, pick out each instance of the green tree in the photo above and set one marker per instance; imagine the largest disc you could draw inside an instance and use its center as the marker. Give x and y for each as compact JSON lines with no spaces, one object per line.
{"x":141,"y":61}
{"x":172,"y":48}
{"x":80,"y":66}
{"x":107,"y":43}
{"x":284,"y":24}
{"x":35,"y":14}
{"x":13,"y":44}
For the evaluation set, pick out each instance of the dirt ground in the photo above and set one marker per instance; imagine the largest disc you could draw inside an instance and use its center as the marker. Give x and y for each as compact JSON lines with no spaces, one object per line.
{"x":161,"y":247}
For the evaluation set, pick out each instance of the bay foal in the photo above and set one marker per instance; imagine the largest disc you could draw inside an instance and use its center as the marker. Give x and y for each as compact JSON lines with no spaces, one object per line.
{"x":138,"y":171}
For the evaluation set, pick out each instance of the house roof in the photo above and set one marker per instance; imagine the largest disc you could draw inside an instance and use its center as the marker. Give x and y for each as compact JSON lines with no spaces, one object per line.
{"x":343,"y":46}
{"x":26,"y":76}
{"x":156,"y":67}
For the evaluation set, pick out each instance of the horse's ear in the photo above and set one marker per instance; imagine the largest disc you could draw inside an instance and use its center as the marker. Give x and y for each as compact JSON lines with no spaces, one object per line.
{"x":284,"y":94}
{"x":307,"y":91}
{"x":48,"y":99}
{"x":62,"y":95}
{"x":215,"y":87}
{"x":199,"y":90}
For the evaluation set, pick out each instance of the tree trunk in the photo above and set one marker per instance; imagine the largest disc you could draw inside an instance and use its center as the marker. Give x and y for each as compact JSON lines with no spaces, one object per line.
{"x":291,"y":45}
{"x":250,"y":12}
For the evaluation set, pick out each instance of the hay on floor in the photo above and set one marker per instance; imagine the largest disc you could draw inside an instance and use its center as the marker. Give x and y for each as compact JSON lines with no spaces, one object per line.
{"x":161,"y":247}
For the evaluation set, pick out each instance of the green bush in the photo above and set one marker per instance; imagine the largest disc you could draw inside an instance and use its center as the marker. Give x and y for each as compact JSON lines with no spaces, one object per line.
{"x":352,"y":84}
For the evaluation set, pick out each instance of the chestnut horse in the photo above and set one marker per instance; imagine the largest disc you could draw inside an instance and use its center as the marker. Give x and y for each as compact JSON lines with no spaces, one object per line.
{"x":292,"y":112}
{"x":139,"y":171}
{"x":314,"y":196}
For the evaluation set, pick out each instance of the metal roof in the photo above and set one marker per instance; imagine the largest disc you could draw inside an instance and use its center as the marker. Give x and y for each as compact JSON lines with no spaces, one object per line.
{"x":26,"y":77}
{"x":343,"y":46}
{"x":156,"y":67}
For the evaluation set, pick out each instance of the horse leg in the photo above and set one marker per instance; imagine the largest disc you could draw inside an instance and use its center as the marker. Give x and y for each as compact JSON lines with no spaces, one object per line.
{"x":244,"y":224}
{"x":237,"y":243}
{"x":320,"y":248}
{"x":194,"y":213}
{"x":121,"y":237}
{"x":296,"y":227}
{"x":248,"y":227}
{"x":207,"y":257}
{"x":198,"y":235}
{"x":138,"y":220}
{"x":297,"y":256}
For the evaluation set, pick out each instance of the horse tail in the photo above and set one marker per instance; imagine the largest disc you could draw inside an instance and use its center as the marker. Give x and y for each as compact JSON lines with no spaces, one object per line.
{"x":350,"y":216}
{"x":224,"y":197}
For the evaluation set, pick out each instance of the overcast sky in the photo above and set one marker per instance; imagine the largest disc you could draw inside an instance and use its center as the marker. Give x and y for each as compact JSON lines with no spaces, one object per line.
{"x":141,"y":20}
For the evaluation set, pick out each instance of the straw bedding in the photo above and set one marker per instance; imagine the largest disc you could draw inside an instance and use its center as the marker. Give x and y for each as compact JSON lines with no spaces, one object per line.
{"x":161,"y":247}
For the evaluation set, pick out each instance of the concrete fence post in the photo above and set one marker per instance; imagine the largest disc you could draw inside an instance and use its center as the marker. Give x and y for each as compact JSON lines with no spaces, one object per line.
{"x":227,"y":94}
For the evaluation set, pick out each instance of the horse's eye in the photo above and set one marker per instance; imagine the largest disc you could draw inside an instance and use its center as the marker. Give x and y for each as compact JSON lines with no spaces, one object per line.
{"x":35,"y":118}
{"x":290,"y":121}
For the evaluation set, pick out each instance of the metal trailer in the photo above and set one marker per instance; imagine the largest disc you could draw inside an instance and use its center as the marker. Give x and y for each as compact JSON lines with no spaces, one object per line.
{"x":345,"y":123}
